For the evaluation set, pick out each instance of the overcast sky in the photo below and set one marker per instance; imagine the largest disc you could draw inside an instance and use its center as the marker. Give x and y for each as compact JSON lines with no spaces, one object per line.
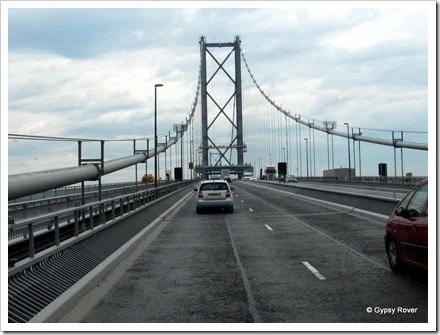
{"x":90,"y":72}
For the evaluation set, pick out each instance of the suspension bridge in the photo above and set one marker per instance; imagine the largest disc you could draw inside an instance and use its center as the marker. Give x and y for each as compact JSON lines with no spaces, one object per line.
{"x":233,"y":125}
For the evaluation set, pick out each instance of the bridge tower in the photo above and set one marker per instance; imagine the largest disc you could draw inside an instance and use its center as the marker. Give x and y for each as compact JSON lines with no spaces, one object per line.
{"x":208,"y":147}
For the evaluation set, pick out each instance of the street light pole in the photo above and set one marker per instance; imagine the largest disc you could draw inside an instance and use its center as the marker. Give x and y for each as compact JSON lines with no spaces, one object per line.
{"x":307,"y":156}
{"x":349,"y":160}
{"x":191,"y":143}
{"x":166,"y":141}
{"x":155,"y":133}
{"x":261,"y":168}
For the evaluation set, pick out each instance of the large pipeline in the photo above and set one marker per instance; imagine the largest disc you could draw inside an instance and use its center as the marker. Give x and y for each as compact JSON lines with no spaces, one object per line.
{"x":21,"y":185}
{"x":357,"y":137}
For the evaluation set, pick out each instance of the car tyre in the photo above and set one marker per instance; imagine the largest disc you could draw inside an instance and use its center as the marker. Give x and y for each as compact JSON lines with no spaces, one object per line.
{"x":198,"y":210}
{"x":393,"y":256}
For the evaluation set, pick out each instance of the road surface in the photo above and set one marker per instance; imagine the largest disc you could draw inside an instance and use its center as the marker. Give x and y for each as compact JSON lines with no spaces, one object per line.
{"x":276,"y":259}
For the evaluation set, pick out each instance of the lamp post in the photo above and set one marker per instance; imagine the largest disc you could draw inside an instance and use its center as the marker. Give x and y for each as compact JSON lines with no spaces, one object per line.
{"x":307,"y":156}
{"x":261,"y":168}
{"x":349,"y":160}
{"x":191,"y":143}
{"x":155,"y":133}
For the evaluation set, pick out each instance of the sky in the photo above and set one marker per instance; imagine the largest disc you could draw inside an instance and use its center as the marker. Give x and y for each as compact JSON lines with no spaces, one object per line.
{"x":89,"y":73}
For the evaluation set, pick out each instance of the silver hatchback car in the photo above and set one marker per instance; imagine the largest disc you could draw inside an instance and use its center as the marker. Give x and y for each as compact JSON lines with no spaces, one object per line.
{"x":214,"y":194}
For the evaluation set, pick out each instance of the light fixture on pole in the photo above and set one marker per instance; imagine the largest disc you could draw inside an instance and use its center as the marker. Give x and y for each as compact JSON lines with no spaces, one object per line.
{"x":155,"y":133}
{"x":349,"y":160}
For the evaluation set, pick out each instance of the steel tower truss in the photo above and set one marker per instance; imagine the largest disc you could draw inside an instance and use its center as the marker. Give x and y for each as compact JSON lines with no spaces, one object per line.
{"x":220,"y":150}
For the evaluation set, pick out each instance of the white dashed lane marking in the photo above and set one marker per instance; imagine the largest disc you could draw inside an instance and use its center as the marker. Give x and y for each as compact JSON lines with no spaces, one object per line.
{"x":268,"y":227}
{"x":314,"y":271}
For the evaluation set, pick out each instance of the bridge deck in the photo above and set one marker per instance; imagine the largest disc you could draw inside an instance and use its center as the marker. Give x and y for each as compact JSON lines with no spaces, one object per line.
{"x":250,"y":266}
{"x":203,"y":268}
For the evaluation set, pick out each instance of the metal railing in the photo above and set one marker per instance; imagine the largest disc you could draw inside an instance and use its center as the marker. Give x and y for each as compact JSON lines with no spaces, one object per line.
{"x":72,"y":191}
{"x":368,"y":180}
{"x":64,"y":198}
{"x":86,"y":217}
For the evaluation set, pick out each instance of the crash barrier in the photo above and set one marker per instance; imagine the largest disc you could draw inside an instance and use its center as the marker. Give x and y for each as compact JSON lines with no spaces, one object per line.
{"x":74,"y":221}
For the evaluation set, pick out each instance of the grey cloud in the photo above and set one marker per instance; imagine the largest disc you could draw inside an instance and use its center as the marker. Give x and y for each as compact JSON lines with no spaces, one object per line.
{"x":82,"y":33}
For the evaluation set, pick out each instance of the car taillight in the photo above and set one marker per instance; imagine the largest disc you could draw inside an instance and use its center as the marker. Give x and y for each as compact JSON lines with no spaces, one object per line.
{"x":228,"y":193}
{"x":200,"y":194}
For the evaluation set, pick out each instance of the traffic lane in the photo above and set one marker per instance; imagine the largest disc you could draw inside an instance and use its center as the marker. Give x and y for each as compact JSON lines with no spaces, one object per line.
{"x":166,"y":286}
{"x":380,"y":191}
{"x":187,"y":274}
{"x":356,"y":200}
{"x":286,"y":290}
{"x":365,"y":236}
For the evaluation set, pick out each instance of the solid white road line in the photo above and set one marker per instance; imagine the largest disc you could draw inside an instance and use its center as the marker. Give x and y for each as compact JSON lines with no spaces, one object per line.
{"x":314,"y":271}
{"x":268,"y":227}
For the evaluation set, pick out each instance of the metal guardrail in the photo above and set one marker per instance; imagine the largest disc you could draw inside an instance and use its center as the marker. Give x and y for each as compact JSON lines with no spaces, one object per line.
{"x":95,"y":213}
{"x":70,"y":191}
{"x":59,"y":199}
{"x":368,"y":180}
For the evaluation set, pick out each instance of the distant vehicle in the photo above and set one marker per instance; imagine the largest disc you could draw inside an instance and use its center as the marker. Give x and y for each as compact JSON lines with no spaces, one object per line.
{"x":291,"y":178}
{"x":147,"y":179}
{"x":406,"y":232}
{"x":214,"y":194}
{"x":270,"y":172}
{"x":228,"y":179}
{"x":247,"y":175}
{"x":252,"y":178}
{"x":225,"y":173}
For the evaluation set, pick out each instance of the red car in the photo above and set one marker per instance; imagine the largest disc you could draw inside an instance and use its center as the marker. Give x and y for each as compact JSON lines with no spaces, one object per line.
{"x":406,"y":237}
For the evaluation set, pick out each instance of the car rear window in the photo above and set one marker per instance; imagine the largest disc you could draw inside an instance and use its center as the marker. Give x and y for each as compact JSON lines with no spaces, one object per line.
{"x":415,"y":207}
{"x":213,"y":187}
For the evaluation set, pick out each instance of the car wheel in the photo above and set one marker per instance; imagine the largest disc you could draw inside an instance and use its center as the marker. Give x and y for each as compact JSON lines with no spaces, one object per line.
{"x":231,"y":209}
{"x":198,"y":210}
{"x":393,"y":256}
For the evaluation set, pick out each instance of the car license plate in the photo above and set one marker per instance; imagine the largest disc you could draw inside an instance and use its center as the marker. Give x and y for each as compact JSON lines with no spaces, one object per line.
{"x":213,"y":194}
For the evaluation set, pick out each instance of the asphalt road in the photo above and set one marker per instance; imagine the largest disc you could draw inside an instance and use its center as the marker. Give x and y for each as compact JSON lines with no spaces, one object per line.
{"x":275,"y":259}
